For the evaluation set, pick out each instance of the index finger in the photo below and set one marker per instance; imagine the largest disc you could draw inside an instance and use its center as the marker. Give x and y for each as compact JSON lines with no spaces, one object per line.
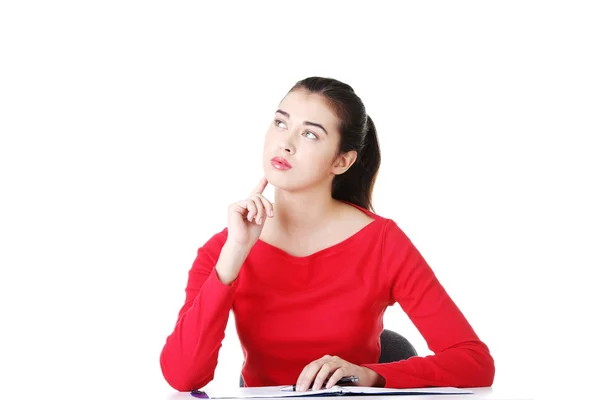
{"x":262,"y":184}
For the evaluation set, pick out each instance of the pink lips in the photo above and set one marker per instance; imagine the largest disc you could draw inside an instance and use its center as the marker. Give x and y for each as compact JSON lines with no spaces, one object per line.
{"x":280,"y":163}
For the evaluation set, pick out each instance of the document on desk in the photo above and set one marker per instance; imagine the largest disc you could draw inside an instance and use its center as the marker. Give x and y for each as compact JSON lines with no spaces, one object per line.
{"x":282,"y":391}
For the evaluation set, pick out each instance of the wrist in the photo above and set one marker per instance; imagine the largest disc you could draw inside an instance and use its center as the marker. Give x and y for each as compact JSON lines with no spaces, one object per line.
{"x":374,"y":379}
{"x":235,"y":250}
{"x":230,"y":261}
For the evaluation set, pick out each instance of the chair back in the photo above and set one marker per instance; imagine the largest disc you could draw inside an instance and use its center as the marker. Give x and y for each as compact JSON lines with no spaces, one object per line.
{"x":395,"y":347}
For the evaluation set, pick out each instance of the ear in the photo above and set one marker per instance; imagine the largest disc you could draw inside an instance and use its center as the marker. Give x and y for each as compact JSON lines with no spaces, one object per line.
{"x":343,"y":162}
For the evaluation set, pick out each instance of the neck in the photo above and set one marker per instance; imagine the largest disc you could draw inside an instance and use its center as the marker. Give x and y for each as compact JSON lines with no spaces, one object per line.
{"x":299,"y":213}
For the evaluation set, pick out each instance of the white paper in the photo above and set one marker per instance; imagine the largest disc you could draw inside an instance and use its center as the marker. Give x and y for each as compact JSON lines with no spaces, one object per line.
{"x":276,"y":392}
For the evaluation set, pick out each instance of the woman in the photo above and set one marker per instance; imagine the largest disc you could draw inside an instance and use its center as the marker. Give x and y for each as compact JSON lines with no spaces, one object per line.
{"x":310,"y":276}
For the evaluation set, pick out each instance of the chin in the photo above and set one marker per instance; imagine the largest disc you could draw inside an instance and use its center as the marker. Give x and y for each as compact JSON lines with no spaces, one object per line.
{"x":276,"y":180}
{"x":282,"y":180}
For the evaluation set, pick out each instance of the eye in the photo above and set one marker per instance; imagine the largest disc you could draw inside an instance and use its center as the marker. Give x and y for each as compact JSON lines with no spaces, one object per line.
{"x":310,"y":133}
{"x":277,"y":121}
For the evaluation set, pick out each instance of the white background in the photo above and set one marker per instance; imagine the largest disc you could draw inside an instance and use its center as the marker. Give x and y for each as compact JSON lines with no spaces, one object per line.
{"x":128,"y":127}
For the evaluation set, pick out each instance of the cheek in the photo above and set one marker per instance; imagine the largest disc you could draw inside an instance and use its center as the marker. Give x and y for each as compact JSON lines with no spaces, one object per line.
{"x":318,"y":161}
{"x":270,"y":138}
{"x":268,"y":141}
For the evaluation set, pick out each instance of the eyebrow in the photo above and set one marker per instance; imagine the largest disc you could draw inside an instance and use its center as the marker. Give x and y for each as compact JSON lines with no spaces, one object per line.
{"x":305,"y":122}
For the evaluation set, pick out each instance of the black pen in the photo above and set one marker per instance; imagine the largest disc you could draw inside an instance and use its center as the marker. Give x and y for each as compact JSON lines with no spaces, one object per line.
{"x":345,"y":379}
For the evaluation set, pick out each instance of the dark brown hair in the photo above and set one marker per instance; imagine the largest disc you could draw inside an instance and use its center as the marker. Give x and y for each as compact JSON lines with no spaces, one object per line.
{"x":357,"y":132}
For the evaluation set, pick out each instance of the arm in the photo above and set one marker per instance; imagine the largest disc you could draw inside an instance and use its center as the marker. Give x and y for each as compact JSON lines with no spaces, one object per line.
{"x":189,"y":356}
{"x":460,"y":358}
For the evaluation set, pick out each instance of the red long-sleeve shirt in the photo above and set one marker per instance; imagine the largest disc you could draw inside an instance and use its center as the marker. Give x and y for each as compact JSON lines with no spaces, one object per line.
{"x":292,"y":310}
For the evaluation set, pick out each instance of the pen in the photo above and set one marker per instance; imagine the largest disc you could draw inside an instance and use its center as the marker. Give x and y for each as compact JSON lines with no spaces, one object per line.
{"x":345,"y":379}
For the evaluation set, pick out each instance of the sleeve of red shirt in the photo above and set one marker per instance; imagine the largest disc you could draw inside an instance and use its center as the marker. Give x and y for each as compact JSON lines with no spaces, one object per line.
{"x":460,"y":358}
{"x":189,"y":357}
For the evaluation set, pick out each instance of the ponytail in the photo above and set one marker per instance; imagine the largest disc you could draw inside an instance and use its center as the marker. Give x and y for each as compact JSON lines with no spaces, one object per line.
{"x":356,"y":184}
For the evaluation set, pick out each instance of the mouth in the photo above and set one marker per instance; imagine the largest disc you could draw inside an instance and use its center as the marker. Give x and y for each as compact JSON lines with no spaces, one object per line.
{"x":280,"y":163}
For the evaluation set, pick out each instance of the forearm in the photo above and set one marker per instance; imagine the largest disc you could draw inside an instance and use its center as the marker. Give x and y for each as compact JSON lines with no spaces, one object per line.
{"x":189,"y":357}
{"x":468,"y":365}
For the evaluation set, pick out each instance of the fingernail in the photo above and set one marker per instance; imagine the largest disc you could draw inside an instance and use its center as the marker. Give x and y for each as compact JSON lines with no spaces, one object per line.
{"x":271,"y":213}
{"x":259,"y":221}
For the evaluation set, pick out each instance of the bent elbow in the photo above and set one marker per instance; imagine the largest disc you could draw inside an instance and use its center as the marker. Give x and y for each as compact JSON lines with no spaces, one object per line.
{"x":180,"y":378}
{"x":488,"y":370}
{"x":485,"y":369}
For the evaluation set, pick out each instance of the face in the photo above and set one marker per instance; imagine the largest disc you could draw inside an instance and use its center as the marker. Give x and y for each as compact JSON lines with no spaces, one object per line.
{"x":304,"y":133}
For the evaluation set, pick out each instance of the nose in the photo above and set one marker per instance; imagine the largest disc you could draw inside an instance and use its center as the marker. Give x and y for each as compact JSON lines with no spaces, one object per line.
{"x":286,"y":145}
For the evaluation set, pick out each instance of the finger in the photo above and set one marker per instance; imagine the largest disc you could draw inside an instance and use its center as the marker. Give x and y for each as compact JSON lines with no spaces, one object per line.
{"x":306,"y":377}
{"x":323,"y":374}
{"x":240,"y":207}
{"x":262,"y":184}
{"x":335,"y":377}
{"x":266,"y":203}
{"x":261,"y":214}
{"x":251,"y":209}
{"x":300,"y":380}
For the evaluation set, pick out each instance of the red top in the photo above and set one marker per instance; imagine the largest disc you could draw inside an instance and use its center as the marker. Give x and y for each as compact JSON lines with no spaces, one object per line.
{"x":291,"y":310}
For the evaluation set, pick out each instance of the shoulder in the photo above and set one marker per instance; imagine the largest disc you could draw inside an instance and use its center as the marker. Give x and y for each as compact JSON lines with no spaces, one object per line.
{"x":208,"y":253}
{"x":386,"y":227}
{"x":389,"y":230}
{"x":357,"y":215}
{"x":214,"y":243}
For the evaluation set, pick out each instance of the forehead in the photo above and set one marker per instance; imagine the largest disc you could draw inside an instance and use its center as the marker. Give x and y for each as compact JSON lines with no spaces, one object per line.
{"x":305,"y":106}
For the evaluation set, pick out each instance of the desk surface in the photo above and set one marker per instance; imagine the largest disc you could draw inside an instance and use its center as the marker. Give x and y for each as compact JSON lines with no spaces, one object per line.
{"x":478,"y":394}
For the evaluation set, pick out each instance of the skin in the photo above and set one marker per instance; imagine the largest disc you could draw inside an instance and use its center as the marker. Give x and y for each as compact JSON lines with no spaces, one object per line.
{"x":313,"y":155}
